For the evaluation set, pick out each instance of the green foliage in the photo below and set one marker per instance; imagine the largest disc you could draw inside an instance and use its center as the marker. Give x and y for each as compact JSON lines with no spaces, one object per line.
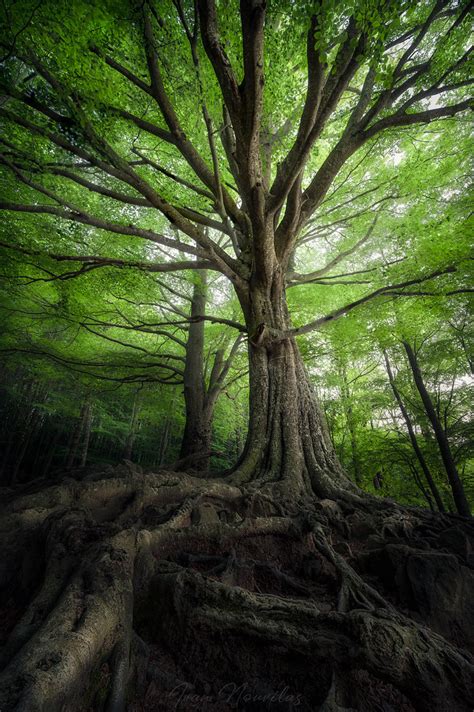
{"x":82,"y":329}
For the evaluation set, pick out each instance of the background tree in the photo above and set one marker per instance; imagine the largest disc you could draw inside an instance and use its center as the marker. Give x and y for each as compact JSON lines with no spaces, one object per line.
{"x":109,"y":343}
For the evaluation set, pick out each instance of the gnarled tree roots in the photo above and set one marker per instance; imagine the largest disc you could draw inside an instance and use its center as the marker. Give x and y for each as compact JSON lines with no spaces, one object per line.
{"x":132,"y":591}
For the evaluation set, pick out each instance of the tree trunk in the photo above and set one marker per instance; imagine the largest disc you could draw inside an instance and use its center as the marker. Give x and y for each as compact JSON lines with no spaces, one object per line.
{"x":412,"y":436}
{"x":421,"y":486}
{"x":28,"y":429}
{"x":346,"y":401}
{"x":288,"y":443}
{"x":164,"y":440}
{"x":197,"y":429}
{"x":132,"y":433}
{"x":76,"y":436}
{"x":16,"y":421}
{"x":87,"y":435}
{"x":457,"y":488}
{"x":51,"y":452}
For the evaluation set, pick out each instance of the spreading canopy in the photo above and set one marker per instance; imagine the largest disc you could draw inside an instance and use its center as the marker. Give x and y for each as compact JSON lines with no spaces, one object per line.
{"x":101,"y":127}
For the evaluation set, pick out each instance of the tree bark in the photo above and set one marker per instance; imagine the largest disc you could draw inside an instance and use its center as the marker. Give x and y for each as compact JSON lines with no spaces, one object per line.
{"x":421,"y":486}
{"x":197,"y":429}
{"x":288,"y":443}
{"x":87,"y":435}
{"x":76,"y":435}
{"x":412,"y":436}
{"x":346,"y":401}
{"x":457,"y":488}
{"x":51,"y":452}
{"x":132,"y":433}
{"x":200,"y":396}
{"x":164,"y":440}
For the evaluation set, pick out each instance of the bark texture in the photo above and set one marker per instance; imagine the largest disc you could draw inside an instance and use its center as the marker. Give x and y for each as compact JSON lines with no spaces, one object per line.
{"x":288,"y":445}
{"x":140,"y":591}
{"x":204,"y":380}
{"x":197,"y":430}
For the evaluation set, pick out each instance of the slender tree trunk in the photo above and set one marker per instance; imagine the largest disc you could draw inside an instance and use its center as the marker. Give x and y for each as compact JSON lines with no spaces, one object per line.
{"x":457,"y":488}
{"x":288,"y":441}
{"x":41,"y":443}
{"x":164,"y":440}
{"x":197,"y":430}
{"x":87,"y":435}
{"x":412,"y":436}
{"x":346,"y":400}
{"x":166,"y":433}
{"x":34,"y":394}
{"x":128,"y":449}
{"x":15,"y":429}
{"x":76,"y":436}
{"x":201,"y":397}
{"x":421,"y":486}
{"x":51,"y":453}
{"x":28,"y":430}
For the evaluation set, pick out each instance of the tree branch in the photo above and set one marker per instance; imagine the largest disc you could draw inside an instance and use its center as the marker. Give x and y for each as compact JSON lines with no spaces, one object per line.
{"x":341,"y":311}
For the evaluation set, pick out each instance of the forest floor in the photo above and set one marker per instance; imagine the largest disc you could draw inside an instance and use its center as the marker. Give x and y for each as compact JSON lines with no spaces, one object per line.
{"x":125,"y":590}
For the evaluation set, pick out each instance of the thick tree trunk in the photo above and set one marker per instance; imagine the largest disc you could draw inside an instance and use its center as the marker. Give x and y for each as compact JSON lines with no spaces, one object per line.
{"x":412,"y":436}
{"x":457,"y":488}
{"x":288,"y":443}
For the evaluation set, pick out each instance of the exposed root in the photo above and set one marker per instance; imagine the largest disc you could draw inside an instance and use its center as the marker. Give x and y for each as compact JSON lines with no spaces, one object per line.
{"x":354,"y":591}
{"x":154,"y":583}
{"x":432,"y":673}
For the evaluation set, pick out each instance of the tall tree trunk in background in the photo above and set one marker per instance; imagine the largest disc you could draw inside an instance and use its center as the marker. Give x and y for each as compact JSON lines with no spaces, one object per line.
{"x":28,"y":430}
{"x":201,"y":397}
{"x":412,"y":436}
{"x":37,"y":393}
{"x":457,"y":488}
{"x":197,"y":429}
{"x":132,"y":432}
{"x":164,"y":440}
{"x":421,"y":486}
{"x":349,"y":414}
{"x":77,"y":435}
{"x":51,"y":452}
{"x":16,"y":416}
{"x":39,"y":447}
{"x":86,"y":436}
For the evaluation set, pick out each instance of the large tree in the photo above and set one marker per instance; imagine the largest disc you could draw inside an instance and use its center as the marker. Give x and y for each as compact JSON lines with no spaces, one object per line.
{"x":175,"y":123}
{"x":258,"y":169}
